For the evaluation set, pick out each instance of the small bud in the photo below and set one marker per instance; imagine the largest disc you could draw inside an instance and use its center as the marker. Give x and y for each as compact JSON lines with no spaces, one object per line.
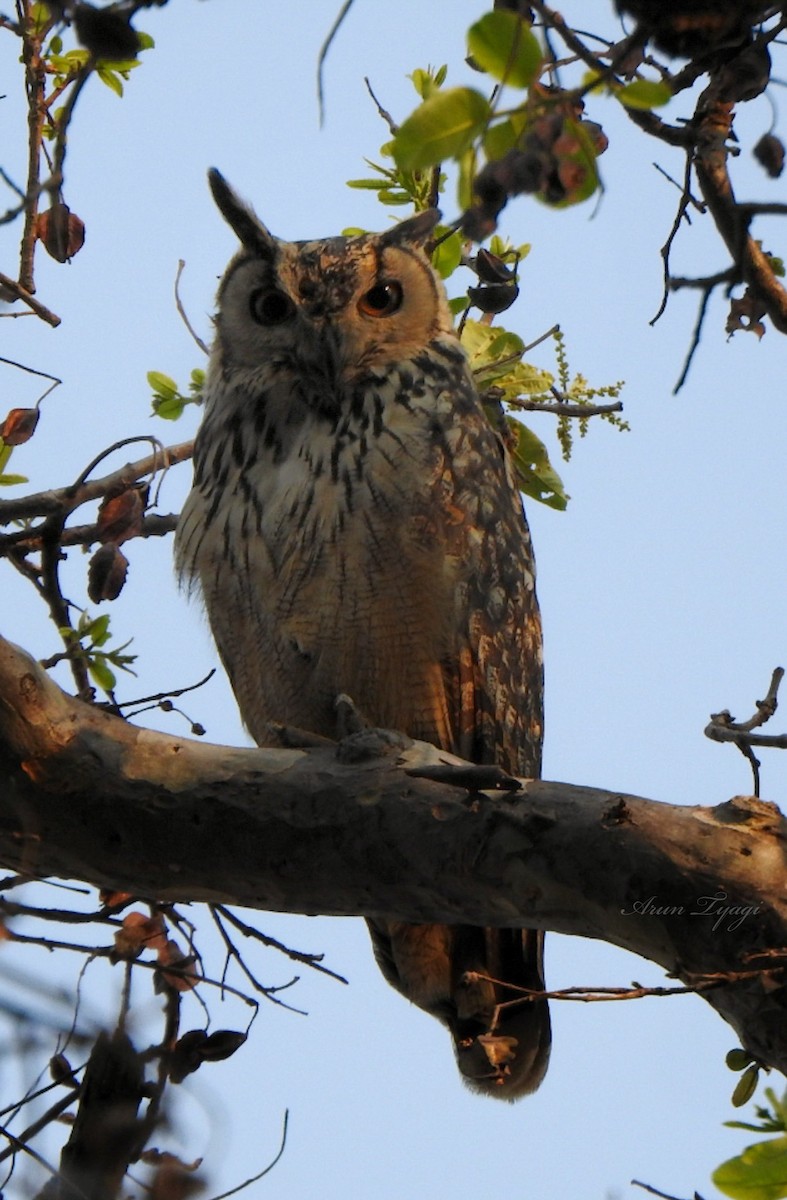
{"x":737,"y":1059}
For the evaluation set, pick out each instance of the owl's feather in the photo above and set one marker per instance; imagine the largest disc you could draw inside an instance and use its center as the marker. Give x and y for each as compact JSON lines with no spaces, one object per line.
{"x":355,"y":528}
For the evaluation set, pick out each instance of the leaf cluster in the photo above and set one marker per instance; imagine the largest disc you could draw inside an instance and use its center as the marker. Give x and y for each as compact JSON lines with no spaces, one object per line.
{"x":168,"y":401}
{"x":464,"y":125}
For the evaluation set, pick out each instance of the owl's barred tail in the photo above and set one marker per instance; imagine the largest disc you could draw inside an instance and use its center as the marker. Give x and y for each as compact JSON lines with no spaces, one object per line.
{"x":502,"y":1036}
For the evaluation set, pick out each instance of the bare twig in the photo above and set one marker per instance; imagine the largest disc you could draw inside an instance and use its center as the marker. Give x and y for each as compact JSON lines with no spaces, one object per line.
{"x":381,"y":112}
{"x":723,"y":728}
{"x":655,"y":1191}
{"x":241,"y":1186}
{"x":309,"y":960}
{"x":182,"y":312}
{"x":564,"y":408}
{"x":324,"y":48}
{"x":42,"y":504}
{"x":18,"y":292}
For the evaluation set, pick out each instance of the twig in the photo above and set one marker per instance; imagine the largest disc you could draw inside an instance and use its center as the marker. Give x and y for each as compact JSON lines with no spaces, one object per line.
{"x":695,"y":339}
{"x":21,"y":293}
{"x":241,"y":1186}
{"x":655,"y":1191}
{"x":723,"y":728}
{"x":564,"y":408}
{"x":685,"y":199}
{"x":381,"y":112}
{"x":595,"y":995}
{"x":182,"y":311}
{"x":42,"y":504}
{"x":233,"y":953}
{"x":324,"y":48}
{"x":28,"y":541}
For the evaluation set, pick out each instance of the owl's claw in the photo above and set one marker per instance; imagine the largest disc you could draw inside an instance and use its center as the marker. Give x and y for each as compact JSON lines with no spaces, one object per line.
{"x":358,"y":740}
{"x":349,"y":719}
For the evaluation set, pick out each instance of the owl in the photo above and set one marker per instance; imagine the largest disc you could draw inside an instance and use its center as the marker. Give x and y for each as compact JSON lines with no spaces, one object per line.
{"x":354,"y":527}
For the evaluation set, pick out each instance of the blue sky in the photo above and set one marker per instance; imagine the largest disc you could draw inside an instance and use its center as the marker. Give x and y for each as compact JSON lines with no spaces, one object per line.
{"x":662,"y":586}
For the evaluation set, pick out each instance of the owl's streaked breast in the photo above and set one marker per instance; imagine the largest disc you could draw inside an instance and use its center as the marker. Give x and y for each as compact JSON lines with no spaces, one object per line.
{"x":346,"y":557}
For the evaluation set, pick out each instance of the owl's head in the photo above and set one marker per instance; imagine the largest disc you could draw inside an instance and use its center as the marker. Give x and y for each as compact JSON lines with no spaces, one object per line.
{"x":348,"y":306}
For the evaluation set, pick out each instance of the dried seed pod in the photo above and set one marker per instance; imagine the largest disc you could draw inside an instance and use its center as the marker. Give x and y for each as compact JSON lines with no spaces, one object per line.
{"x":494,"y":297}
{"x":120,"y":516}
{"x":769,"y":153}
{"x":107,"y":573}
{"x":61,"y":231}
{"x":19,"y":426}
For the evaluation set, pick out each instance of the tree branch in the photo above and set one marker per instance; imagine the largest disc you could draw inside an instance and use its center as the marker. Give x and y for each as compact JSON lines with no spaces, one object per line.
{"x":698,"y":890}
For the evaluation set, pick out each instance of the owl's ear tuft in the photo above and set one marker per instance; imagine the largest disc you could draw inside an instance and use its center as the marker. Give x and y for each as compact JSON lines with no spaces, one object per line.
{"x":415,"y":230}
{"x":241,"y":217}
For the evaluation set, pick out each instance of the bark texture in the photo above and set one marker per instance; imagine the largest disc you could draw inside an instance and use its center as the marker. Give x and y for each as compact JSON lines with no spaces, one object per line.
{"x":84,"y":795}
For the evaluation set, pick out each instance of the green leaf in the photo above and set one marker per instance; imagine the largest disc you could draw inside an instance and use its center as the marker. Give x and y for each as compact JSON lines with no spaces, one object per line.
{"x":457,"y":305}
{"x":442,"y":127}
{"x":448,"y":255}
{"x":759,"y":1173}
{"x":503,"y":45}
{"x":485,"y":345}
{"x":163,"y":385}
{"x":644,"y":93}
{"x":97,"y":629}
{"x":499,"y":139}
{"x":113,"y":81}
{"x":422,"y":82}
{"x":522,"y":379}
{"x":426,"y":83}
{"x":535,"y":475}
{"x":373,"y":185}
{"x":593,"y":82}
{"x":738,"y":1059}
{"x":40,"y":17}
{"x":145,"y":40}
{"x":101,"y":673}
{"x":746,"y":1086}
{"x":11,"y":480}
{"x":169,"y":408}
{"x":467,"y":174}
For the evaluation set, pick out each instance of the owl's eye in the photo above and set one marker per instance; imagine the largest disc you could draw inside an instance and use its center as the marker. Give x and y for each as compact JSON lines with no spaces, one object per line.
{"x":382,"y":300}
{"x":270,"y":307}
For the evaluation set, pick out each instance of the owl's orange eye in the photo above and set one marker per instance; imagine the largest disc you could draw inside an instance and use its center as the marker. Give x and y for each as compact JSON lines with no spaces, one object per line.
{"x":382,"y":300}
{"x":270,"y":307}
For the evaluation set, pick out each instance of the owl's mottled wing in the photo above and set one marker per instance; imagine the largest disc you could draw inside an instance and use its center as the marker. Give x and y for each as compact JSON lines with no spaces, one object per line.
{"x":493,"y":671}
{"x":492,"y":690}
{"x":496,"y":683}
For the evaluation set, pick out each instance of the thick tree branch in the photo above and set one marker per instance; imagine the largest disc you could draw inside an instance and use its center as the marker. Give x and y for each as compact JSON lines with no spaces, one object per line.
{"x":698,"y":890}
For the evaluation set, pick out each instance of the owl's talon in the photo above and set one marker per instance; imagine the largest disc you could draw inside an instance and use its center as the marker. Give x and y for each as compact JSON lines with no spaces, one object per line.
{"x":371,"y":743}
{"x":348,"y":718}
